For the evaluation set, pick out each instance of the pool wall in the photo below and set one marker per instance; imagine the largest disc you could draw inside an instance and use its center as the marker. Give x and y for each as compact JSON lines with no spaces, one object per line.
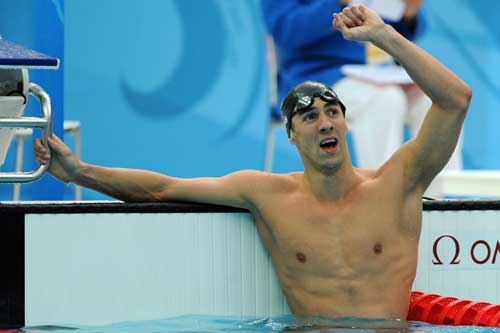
{"x":97,"y":263}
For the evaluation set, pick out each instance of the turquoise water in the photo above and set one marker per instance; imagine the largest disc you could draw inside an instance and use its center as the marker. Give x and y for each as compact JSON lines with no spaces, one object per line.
{"x":213,"y":324}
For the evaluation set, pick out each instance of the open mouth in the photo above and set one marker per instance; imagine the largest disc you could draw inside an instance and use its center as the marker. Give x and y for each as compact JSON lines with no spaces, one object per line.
{"x":329,"y":145}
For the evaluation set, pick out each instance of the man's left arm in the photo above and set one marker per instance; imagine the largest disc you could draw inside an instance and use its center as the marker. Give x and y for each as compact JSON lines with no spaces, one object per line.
{"x":428,"y":153}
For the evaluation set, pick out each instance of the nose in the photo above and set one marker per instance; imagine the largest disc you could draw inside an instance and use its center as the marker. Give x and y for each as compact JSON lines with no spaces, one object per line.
{"x":325,"y":124}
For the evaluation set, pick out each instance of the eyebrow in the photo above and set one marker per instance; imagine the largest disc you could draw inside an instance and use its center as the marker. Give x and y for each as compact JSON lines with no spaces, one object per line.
{"x":313,"y":108}
{"x":335,"y":103}
{"x":309,"y":109}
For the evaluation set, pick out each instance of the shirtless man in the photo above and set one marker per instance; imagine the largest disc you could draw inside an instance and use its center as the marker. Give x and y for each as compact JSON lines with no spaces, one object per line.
{"x":343,"y":240}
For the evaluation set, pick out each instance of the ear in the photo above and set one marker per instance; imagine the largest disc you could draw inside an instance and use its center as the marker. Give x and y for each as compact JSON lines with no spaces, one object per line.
{"x":346,"y":123}
{"x":291,"y":139}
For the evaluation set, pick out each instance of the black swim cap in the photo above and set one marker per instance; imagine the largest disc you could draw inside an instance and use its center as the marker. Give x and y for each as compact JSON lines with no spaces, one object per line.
{"x":301,"y":97}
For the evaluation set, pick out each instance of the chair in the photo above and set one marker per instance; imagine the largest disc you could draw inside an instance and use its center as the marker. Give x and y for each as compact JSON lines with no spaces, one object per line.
{"x":274,"y":124}
{"x":274,"y":116}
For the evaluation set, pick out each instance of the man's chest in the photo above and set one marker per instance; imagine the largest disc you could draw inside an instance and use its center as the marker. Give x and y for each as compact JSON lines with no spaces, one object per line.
{"x":333,"y":241}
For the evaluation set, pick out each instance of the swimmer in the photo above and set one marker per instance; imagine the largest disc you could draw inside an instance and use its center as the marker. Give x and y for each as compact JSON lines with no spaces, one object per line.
{"x":343,"y":240}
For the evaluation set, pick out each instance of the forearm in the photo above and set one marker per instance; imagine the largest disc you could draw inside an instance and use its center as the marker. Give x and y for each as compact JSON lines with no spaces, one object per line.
{"x":441,"y":85}
{"x":123,"y":184}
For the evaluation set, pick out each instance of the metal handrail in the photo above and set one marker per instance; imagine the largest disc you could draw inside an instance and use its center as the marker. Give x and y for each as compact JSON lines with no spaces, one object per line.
{"x":44,"y":123}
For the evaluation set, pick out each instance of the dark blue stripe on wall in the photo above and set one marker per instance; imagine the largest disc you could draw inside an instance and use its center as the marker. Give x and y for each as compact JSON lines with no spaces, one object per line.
{"x":12,"y":307}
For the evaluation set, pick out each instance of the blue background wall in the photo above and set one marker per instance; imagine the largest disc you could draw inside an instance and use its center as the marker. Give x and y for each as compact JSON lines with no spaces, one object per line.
{"x":175,"y":86}
{"x":39,"y":25}
{"x":180,"y":86}
{"x":465,"y":35}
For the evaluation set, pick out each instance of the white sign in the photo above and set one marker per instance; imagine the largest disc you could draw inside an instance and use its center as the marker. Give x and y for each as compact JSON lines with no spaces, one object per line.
{"x":390,"y":9}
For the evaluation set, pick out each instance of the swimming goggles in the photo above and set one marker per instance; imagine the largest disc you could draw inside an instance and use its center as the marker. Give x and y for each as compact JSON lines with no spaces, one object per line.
{"x":305,"y":101}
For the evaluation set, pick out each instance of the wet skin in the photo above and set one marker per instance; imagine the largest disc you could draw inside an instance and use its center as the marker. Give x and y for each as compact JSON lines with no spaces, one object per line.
{"x":339,"y":255}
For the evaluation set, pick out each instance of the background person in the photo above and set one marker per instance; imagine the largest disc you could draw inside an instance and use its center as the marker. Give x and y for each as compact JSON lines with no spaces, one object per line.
{"x":309,"y":49}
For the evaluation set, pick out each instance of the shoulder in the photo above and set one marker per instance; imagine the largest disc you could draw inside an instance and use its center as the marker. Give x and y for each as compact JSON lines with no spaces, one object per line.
{"x":258,"y":186}
{"x":265,"y":189}
{"x":261,"y":180}
{"x":394,"y":173}
{"x":367,"y":174}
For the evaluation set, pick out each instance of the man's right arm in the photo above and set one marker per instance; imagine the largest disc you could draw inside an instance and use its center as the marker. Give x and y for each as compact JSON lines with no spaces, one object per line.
{"x":133,"y":185}
{"x":425,"y":156}
{"x":294,"y":24}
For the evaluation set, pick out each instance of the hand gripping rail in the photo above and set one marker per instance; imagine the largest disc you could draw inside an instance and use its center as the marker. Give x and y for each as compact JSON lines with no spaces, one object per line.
{"x":44,"y":123}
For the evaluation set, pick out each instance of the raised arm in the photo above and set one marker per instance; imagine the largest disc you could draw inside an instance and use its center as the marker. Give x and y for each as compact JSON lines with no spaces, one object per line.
{"x":132,"y":185}
{"x":424,"y":156}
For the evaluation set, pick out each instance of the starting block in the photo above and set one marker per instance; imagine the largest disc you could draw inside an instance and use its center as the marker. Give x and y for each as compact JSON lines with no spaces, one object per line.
{"x":15,"y":89}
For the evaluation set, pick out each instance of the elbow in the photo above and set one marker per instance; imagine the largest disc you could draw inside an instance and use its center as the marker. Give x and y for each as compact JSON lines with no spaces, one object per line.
{"x":466,"y":98}
{"x":164,"y":192}
{"x":468,"y":94}
{"x":461,"y":99}
{"x":158,"y":196}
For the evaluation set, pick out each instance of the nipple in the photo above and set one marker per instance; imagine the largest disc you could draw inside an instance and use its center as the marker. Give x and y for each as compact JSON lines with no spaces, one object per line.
{"x":301,"y":257}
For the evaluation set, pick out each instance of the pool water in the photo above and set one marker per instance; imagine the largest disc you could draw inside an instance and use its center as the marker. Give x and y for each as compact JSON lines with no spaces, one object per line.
{"x":213,"y":324}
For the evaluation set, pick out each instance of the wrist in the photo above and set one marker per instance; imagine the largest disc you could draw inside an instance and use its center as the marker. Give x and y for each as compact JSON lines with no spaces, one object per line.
{"x":79,"y":172}
{"x":381,"y":35}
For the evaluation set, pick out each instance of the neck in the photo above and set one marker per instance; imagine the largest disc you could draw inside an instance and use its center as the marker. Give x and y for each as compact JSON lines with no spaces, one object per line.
{"x":331,"y":184}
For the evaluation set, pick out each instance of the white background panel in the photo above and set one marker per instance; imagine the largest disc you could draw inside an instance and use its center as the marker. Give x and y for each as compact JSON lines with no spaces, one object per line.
{"x":466,"y":279}
{"x":96,"y":269}
{"x":103,"y":268}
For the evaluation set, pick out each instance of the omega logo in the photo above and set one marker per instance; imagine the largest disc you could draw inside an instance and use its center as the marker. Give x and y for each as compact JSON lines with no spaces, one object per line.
{"x":481,"y":252}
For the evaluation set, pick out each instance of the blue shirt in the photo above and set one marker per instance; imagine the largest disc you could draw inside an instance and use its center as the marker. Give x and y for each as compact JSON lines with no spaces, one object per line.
{"x":308,"y":47}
